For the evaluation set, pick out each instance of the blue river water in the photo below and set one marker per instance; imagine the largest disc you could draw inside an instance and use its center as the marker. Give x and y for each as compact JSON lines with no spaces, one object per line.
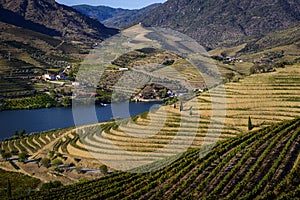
{"x":55,"y":118}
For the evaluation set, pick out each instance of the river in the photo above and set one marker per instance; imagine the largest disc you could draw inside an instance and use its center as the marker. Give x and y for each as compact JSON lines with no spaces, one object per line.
{"x":55,"y":118}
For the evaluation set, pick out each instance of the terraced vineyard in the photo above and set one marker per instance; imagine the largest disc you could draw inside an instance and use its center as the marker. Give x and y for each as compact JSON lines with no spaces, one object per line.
{"x":267,"y":98}
{"x":33,"y":143}
{"x":241,"y":165}
{"x":274,"y":100}
{"x":261,"y":164}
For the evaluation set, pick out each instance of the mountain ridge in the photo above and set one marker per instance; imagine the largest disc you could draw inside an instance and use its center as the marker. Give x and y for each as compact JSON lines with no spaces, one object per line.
{"x":211,"y":23}
{"x":115,"y":17}
{"x":65,"y":20}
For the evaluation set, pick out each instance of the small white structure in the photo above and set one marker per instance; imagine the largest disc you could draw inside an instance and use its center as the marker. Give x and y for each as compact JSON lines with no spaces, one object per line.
{"x":60,"y":77}
{"x":48,"y":77}
{"x":75,"y":84}
{"x":123,"y":69}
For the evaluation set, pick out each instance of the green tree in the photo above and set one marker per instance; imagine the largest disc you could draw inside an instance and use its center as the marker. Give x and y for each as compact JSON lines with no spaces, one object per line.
{"x":57,"y":162}
{"x":23,"y":156}
{"x":51,"y":154}
{"x":22,"y":133}
{"x":48,"y":105}
{"x":103,"y":169}
{"x":9,"y":195}
{"x":16,"y":134}
{"x":6,"y":155}
{"x":51,"y":185}
{"x":250,"y":126}
{"x":66,"y":102}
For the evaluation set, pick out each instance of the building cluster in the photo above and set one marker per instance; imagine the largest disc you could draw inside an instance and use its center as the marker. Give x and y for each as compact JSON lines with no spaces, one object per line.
{"x":53,"y":77}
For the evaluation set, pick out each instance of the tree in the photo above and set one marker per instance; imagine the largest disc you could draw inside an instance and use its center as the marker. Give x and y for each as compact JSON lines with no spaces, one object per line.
{"x":45,"y":162}
{"x":9,"y":195}
{"x":229,"y":76}
{"x":181,"y":106}
{"x":191,"y":110}
{"x":16,"y":134}
{"x":22,"y":133}
{"x":48,"y":105}
{"x":6,"y":155}
{"x":250,"y":126}
{"x":23,"y":156}
{"x":66,"y":102}
{"x":103,"y":169}
{"x":77,"y":160}
{"x":50,"y":185}
{"x":51,"y":154}
{"x":57,"y":162}
{"x":164,"y":93}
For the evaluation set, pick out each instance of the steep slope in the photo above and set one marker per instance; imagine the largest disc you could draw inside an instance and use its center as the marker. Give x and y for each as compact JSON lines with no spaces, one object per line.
{"x":62,"y":20}
{"x":290,"y":36}
{"x":215,"y":22}
{"x":115,"y":17}
{"x":258,"y":165}
{"x":25,"y":54}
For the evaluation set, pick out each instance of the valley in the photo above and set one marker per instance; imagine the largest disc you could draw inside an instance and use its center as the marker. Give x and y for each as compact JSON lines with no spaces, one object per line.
{"x":228,"y":120}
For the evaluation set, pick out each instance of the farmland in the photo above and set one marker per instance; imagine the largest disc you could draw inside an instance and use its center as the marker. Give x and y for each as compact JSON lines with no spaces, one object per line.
{"x":144,"y":139}
{"x":261,"y":163}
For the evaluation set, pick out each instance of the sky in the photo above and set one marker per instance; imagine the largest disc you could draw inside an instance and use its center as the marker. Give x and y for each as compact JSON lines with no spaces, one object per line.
{"x":127,"y":4}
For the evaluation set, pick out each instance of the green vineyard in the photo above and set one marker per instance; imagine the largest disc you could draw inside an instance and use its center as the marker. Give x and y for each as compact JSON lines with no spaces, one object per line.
{"x":263,"y":164}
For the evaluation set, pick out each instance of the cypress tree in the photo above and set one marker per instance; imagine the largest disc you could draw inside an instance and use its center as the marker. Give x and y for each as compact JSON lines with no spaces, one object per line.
{"x":9,"y":189}
{"x":250,"y":126}
{"x":181,"y":106}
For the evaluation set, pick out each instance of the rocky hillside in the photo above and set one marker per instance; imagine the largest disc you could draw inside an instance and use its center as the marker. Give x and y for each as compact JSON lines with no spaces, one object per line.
{"x":214,"y":23}
{"x":115,"y":17}
{"x":290,"y":36}
{"x":48,"y":16}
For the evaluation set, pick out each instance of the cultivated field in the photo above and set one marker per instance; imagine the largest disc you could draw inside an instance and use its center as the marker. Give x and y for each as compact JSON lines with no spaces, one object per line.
{"x":261,"y":164}
{"x":267,"y":98}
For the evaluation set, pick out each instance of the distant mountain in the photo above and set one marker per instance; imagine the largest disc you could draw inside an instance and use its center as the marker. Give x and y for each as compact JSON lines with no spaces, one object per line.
{"x":221,"y":22}
{"x":115,"y":17}
{"x":47,"y":16}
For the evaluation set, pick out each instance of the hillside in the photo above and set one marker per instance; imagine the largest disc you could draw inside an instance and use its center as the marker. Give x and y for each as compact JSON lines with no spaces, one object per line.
{"x":51,"y":18}
{"x":286,"y":37}
{"x":274,"y":100}
{"x":39,"y":37}
{"x":261,"y":164}
{"x":115,"y":17}
{"x":224,"y":22}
